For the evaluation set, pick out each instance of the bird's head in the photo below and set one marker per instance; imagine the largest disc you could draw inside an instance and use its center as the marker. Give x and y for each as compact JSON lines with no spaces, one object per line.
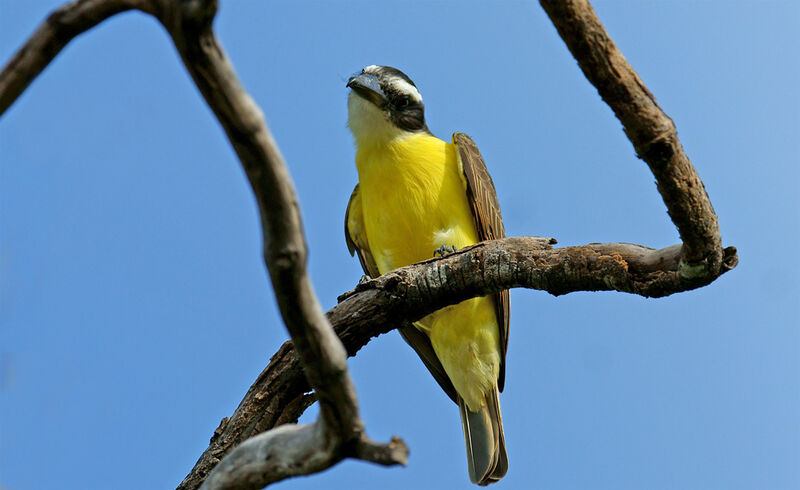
{"x":384,"y":104}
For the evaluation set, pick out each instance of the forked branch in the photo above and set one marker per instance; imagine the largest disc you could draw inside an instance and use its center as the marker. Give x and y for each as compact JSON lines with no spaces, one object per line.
{"x":651,"y":131}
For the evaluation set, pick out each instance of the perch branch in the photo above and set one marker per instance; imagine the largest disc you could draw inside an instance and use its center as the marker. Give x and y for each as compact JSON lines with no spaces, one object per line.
{"x":409,"y":293}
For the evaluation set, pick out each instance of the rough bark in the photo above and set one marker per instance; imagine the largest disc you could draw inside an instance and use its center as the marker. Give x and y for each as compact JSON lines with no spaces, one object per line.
{"x":651,"y":131}
{"x":407,"y":294}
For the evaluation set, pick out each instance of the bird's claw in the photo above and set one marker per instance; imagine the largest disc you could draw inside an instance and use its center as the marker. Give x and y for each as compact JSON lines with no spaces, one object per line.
{"x":364,"y":279}
{"x":444,"y":250}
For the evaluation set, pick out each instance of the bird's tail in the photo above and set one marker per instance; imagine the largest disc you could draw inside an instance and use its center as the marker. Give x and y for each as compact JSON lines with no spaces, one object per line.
{"x":486,"y":445}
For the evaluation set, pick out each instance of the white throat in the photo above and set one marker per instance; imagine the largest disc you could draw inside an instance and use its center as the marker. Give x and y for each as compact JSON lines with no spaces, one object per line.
{"x":369,"y":124}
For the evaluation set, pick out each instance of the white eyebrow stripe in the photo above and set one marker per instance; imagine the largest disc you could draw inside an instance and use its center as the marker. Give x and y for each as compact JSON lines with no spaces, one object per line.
{"x":406,"y":88}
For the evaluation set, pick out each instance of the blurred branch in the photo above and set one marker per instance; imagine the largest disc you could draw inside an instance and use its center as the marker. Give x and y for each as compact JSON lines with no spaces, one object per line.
{"x":339,"y":431}
{"x":291,"y":450}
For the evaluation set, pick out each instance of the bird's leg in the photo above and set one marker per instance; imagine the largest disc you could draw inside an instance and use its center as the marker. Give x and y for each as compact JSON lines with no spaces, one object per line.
{"x":444,"y":250}
{"x":364,"y":279}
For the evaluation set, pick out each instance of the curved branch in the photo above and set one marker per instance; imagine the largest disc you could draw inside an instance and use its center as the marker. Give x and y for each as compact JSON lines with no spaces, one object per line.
{"x":651,"y":131}
{"x":339,"y":432}
{"x":61,"y":27}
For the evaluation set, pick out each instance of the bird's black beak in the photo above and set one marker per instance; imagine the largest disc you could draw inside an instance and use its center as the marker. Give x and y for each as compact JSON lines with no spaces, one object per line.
{"x":368,"y":87}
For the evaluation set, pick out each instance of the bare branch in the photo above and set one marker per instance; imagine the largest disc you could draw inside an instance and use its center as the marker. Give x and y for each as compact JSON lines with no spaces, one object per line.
{"x":339,"y":431}
{"x":651,"y":131}
{"x":409,"y":293}
{"x":50,"y":38}
{"x":291,"y":450}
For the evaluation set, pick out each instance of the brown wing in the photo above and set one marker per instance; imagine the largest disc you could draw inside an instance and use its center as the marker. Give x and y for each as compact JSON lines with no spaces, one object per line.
{"x":482,"y":199}
{"x":356,"y":238}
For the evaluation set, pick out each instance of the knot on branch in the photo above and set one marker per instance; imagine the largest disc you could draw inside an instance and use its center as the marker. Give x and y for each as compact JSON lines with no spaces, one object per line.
{"x":660,"y":150}
{"x":698,"y":273}
{"x":730,"y":258}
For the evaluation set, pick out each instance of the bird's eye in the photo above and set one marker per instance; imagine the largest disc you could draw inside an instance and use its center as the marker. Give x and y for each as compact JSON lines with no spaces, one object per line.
{"x":402,"y":102}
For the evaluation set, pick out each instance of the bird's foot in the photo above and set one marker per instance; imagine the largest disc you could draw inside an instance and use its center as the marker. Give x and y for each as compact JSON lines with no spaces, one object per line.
{"x":364,"y":279}
{"x":444,"y":250}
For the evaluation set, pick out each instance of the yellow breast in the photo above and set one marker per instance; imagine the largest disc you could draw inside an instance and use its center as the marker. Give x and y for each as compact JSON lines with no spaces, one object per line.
{"x":413,"y":200}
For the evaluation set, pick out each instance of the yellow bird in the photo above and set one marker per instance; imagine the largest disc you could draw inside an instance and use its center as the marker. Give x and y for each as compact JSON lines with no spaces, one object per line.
{"x":418,"y":196}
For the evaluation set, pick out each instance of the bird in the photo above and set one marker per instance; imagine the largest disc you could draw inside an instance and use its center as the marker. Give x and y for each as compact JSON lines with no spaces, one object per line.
{"x":418,"y":196}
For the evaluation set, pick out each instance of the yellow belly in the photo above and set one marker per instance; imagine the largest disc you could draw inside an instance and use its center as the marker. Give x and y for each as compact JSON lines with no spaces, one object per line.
{"x":414,"y":201}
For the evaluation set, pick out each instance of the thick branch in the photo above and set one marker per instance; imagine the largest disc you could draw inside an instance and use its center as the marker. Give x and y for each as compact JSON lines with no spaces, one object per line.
{"x":409,"y":293}
{"x":651,"y":131}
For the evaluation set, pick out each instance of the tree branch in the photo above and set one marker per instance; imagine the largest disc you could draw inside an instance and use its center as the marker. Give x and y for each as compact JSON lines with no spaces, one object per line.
{"x":409,"y":293}
{"x":651,"y":131}
{"x":61,"y":27}
{"x":339,"y":431}
{"x":291,"y":450}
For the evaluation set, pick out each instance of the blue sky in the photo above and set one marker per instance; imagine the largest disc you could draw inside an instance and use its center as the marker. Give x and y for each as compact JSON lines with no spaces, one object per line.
{"x":135,"y":310}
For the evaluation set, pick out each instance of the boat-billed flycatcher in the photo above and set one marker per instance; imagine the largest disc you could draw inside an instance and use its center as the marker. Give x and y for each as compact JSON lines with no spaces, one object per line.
{"x":417,"y":195}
